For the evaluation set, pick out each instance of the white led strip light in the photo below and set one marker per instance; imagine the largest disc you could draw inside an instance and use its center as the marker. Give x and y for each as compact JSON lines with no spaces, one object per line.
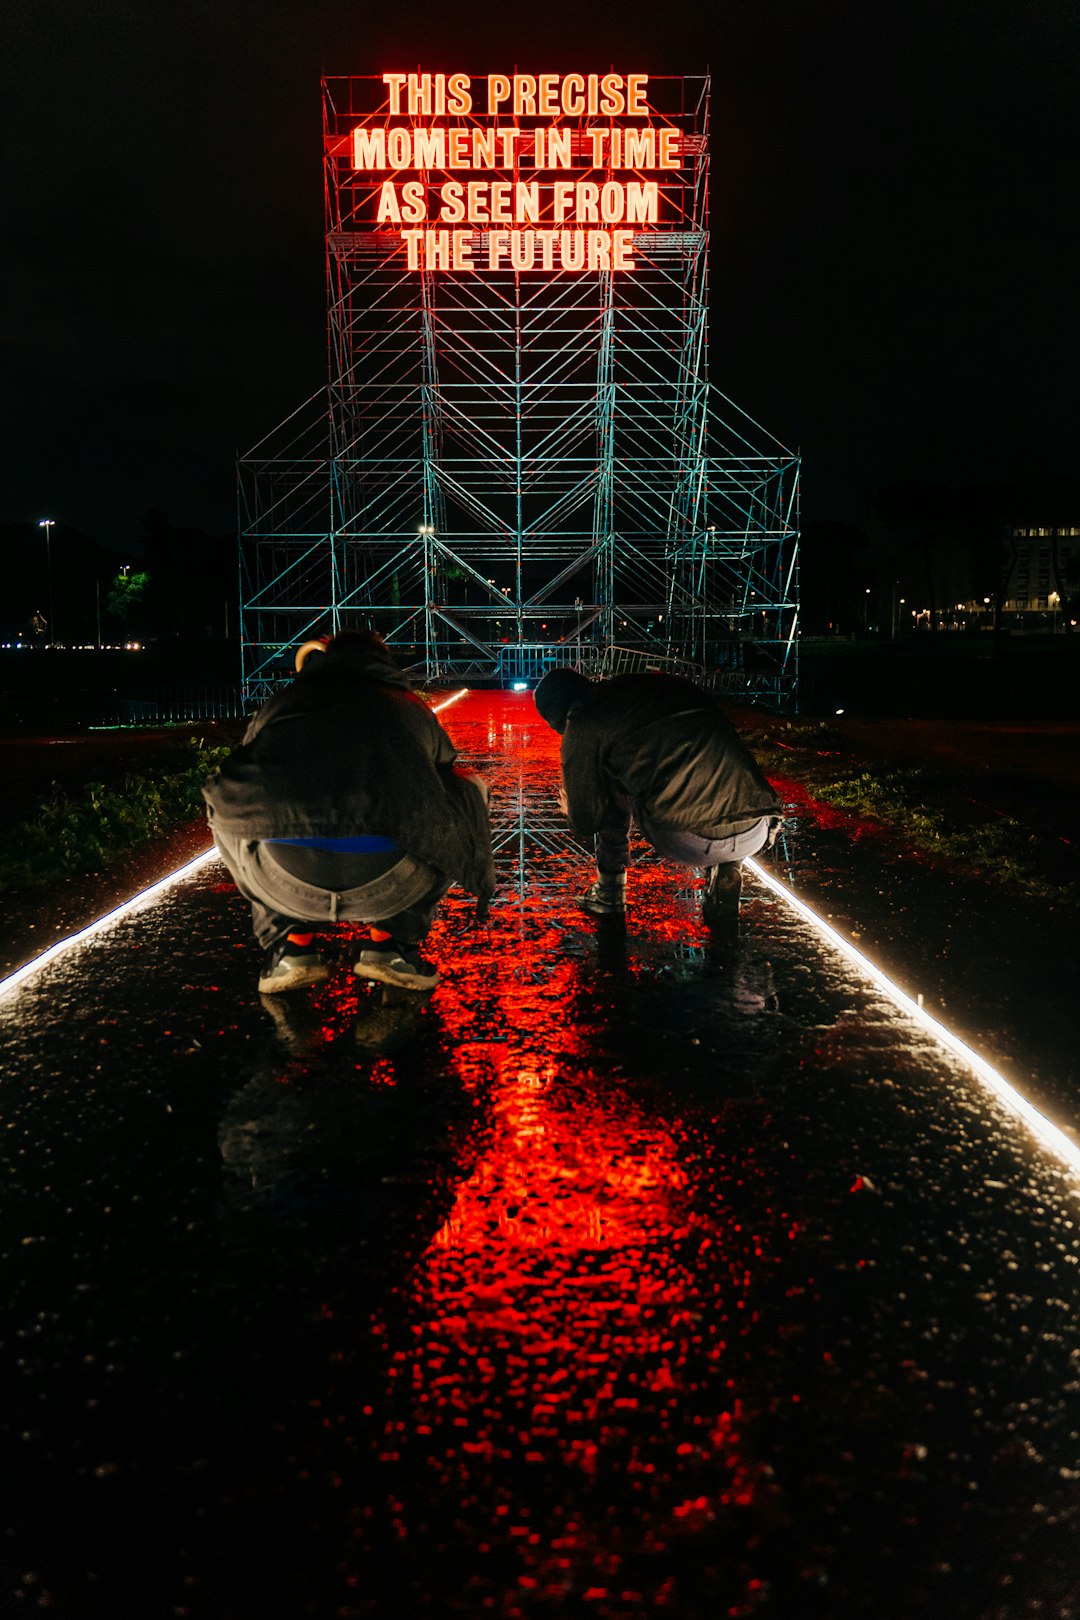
{"x":20,"y":976}
{"x":445,"y":704}
{"x":1047,"y":1133}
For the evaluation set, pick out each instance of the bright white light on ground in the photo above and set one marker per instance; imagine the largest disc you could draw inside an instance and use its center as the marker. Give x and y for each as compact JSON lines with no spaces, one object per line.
{"x":20,"y":976}
{"x":1047,"y":1133}
{"x":521,"y":686}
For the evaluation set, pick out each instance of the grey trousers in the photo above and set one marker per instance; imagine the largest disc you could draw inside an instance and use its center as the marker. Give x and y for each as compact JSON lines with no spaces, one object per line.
{"x":688,"y":849}
{"x":402,"y":901}
{"x":685,"y":848}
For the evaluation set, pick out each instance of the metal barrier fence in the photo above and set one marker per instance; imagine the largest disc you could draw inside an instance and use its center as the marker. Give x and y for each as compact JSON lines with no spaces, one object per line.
{"x":726,"y":677}
{"x":163,"y":706}
{"x":636,"y":661}
{"x":525,"y":661}
{"x":517,"y":661}
{"x":175,"y":705}
{"x":528,"y":661}
{"x":753,"y":687}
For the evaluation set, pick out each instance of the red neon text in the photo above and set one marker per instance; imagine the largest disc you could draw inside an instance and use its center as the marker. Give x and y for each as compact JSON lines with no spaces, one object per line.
{"x":526,"y":95}
{"x":403,"y":147}
{"x":520,"y":250}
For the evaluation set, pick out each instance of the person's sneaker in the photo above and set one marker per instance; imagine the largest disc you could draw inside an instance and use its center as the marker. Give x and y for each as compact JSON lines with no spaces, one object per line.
{"x":288,"y":966}
{"x":720,"y":903}
{"x":390,"y":963}
{"x":607,"y":896}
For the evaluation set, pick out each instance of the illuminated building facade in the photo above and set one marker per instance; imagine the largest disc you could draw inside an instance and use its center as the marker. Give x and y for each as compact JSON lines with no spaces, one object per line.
{"x":1038,"y":589}
{"x":1043,"y":573}
{"x":519,"y":458}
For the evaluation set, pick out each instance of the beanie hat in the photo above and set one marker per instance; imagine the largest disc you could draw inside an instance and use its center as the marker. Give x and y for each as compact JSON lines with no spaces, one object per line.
{"x":556,"y":692}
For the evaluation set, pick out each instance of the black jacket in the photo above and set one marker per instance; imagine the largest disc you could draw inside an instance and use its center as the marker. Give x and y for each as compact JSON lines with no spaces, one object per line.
{"x":348,"y":749}
{"x":663,"y":743}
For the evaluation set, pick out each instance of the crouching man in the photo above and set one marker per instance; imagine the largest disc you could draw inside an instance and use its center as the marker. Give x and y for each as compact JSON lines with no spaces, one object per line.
{"x":343,"y":804}
{"x":657,"y":750}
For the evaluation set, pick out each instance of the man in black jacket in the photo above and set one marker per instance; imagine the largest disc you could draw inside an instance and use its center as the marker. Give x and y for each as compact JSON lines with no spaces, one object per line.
{"x":656,"y":749}
{"x":343,"y":803}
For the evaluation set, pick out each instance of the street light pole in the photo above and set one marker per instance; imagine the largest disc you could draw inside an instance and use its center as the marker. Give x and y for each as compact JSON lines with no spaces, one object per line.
{"x":48,"y":524}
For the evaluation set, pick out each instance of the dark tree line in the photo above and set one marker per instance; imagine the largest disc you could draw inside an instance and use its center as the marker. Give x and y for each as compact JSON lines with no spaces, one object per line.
{"x":934,"y":545}
{"x":172,"y":583}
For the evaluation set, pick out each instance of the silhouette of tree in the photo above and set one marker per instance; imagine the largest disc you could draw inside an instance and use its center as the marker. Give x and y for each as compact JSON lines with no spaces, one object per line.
{"x":193,"y":579}
{"x":932,"y":513}
{"x":833,"y":578}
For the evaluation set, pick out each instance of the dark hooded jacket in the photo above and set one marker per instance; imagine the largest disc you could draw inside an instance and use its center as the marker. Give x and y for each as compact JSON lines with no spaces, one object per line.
{"x":663,"y":743}
{"x":347,"y":749}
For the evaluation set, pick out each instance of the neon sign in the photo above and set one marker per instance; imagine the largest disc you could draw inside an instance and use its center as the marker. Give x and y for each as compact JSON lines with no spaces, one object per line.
{"x":468,"y":187}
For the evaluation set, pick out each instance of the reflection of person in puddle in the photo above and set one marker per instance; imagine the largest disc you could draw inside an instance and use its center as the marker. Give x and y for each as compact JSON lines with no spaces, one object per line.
{"x":343,"y":804}
{"x":309,"y":1135}
{"x":386,"y":1020}
{"x":657,"y":750}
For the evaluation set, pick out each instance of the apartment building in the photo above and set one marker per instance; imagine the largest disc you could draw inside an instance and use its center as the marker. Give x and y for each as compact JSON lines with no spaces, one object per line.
{"x":1045,"y":570}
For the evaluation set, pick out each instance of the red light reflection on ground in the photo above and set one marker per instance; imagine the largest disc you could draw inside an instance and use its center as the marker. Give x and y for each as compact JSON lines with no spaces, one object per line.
{"x":559,"y":1395}
{"x":557,"y":1180}
{"x":795,"y":795}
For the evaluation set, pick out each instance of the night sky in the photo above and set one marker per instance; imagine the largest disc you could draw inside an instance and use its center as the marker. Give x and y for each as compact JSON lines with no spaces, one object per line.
{"x":894,"y":219}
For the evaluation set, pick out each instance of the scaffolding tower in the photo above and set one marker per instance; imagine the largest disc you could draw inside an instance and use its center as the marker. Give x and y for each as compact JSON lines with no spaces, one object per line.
{"x":514,"y":468}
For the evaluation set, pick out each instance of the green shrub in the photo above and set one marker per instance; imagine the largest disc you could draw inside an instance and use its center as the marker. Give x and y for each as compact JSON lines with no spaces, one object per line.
{"x":997,"y":846}
{"x":72,"y":834}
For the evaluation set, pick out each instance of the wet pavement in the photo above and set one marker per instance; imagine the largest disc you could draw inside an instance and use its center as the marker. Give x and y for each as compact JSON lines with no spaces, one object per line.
{"x":631,"y":1273}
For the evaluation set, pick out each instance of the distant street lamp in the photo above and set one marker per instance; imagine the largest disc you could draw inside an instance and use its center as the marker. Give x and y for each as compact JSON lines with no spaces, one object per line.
{"x":48,"y":524}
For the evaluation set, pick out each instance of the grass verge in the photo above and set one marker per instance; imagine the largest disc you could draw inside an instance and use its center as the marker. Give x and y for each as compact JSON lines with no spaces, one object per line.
{"x":919,"y":804}
{"x":72,"y":834}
